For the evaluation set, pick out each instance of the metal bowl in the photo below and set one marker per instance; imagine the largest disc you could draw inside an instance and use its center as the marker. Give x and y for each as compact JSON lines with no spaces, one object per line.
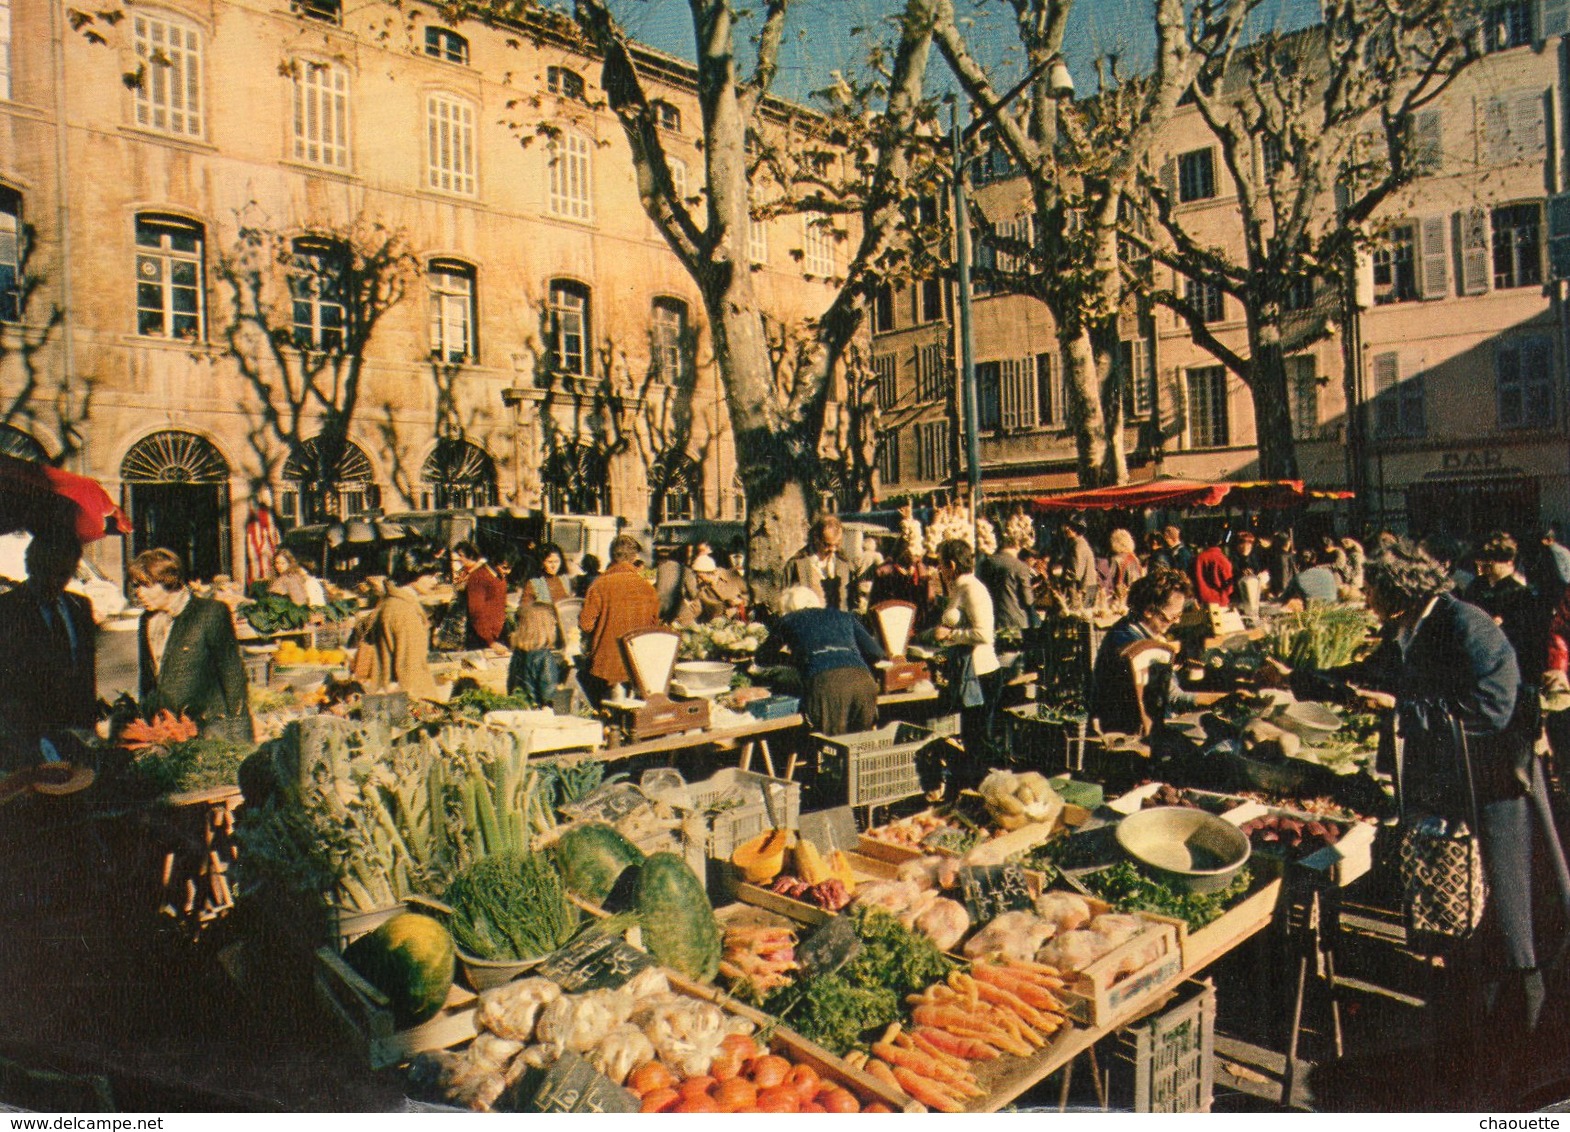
{"x":1192,"y":849}
{"x":704,"y":675}
{"x":1308,"y":719}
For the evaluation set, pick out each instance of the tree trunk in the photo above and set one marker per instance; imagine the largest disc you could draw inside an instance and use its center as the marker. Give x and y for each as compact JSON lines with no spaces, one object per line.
{"x":1272,"y":408}
{"x":1109,"y":364}
{"x":1084,"y":408}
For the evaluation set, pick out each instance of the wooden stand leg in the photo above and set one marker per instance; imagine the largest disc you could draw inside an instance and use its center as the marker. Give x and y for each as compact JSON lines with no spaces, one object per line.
{"x":1289,"y":1075}
{"x":1068,"y":1079}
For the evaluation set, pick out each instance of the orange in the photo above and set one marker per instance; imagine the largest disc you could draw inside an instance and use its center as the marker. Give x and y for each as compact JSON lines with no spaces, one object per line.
{"x":649,"y":1077}
{"x":778,"y":1099}
{"x":769,"y":1071}
{"x":660,"y":1100}
{"x":735,"y":1095}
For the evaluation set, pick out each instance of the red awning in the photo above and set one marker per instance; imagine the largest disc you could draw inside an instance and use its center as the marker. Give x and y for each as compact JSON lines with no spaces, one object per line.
{"x":1172,"y":492}
{"x":35,"y":494}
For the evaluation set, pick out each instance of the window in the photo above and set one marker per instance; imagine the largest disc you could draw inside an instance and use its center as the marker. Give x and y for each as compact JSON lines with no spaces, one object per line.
{"x":570,"y":327}
{"x":452,"y":312}
{"x":169,"y":97}
{"x":931,"y":375}
{"x":1140,"y":373}
{"x":817,"y":246}
{"x":887,"y":459}
{"x":319,"y":287}
{"x":1050,"y":409}
{"x":1425,"y":139}
{"x":1272,"y":155}
{"x":321,"y":114}
{"x":169,"y":298}
{"x":329,"y":11}
{"x":440,"y":43}
{"x":1206,"y":298}
{"x":678,"y":169}
{"x":1299,"y":295}
{"x":1303,"y":385}
{"x":1524,"y":382}
{"x":5,"y":49}
{"x":929,"y":300}
{"x":667,"y":116}
{"x":989,"y":376}
{"x":1208,"y":423}
{"x":10,"y":255}
{"x":567,"y":83}
{"x":1514,"y":127}
{"x":449,"y":128}
{"x":757,"y":240}
{"x":1017,"y":394}
{"x":1518,"y":251}
{"x":1197,"y":175}
{"x":1507,"y":25}
{"x":669,"y":344}
{"x":887,"y":370}
{"x":1395,"y":267}
{"x":572,"y":170}
{"x":883,"y":310}
{"x":1398,"y":402}
{"x":932,"y":450}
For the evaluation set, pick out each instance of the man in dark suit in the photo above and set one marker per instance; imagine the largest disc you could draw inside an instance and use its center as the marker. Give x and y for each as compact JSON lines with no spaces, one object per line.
{"x":822,"y":568}
{"x":48,"y":678}
{"x":190,"y":661}
{"x":1011,"y":584}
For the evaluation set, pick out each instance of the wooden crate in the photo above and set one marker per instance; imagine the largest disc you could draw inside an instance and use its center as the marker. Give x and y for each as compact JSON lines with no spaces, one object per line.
{"x":365,"y":1018}
{"x":1096,"y":995}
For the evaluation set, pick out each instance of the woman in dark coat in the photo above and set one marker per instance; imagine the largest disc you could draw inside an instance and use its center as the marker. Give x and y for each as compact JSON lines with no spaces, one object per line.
{"x":1442,"y":658}
{"x":833,"y":652}
{"x":189,"y":659}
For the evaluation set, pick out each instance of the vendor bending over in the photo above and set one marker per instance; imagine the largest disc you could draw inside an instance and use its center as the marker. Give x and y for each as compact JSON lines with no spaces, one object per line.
{"x":832,"y":651}
{"x":1121,"y":698}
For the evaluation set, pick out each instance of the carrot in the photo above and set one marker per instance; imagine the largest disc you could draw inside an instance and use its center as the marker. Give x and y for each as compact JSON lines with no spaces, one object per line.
{"x":882,"y":1071}
{"x":914,"y":1040}
{"x":1011,"y":1002}
{"x":926,"y":1092}
{"x":971,"y":1049}
{"x":1028,"y":991}
{"x":1014,"y":1025}
{"x":856,"y":1059}
{"x":928,"y":1068}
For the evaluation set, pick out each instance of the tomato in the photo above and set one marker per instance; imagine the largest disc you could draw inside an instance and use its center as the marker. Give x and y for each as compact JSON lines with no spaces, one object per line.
{"x":660,"y":1100}
{"x":877,"y":1106}
{"x":698,"y":1102}
{"x":769,"y":1071}
{"x":726,"y":1066}
{"x":810,"y":1107}
{"x":742,"y":1046}
{"x":735,"y":1095}
{"x":778,"y":1099}
{"x":650,"y":1077}
{"x":838,"y":1100}
{"x":697,"y":1086}
{"x":804,"y":1079}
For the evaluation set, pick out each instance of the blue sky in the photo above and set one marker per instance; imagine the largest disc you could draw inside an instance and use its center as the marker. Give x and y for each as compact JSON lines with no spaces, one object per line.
{"x":820,"y":35}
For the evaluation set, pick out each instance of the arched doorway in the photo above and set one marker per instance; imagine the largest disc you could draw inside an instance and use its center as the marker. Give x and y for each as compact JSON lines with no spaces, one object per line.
{"x":676,"y":488}
{"x":15,"y":442}
{"x":177,"y":494}
{"x":457,"y":474}
{"x":575,"y":482}
{"x":318,"y":494}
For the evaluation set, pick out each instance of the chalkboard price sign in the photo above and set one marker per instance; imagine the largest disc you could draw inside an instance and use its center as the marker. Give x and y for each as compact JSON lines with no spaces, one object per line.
{"x":593,"y":963}
{"x":827,"y":949}
{"x":991,"y":890}
{"x":573,"y":1085}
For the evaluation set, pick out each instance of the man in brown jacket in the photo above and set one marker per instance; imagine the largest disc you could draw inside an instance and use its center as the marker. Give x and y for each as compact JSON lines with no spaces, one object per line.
{"x":619,"y":601}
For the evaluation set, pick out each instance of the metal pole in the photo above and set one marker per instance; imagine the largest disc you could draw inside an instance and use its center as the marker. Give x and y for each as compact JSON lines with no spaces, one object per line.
{"x":966,"y":330}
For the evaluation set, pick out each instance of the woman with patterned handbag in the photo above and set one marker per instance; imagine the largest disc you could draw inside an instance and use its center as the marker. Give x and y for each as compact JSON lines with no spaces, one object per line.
{"x":1448,"y":674}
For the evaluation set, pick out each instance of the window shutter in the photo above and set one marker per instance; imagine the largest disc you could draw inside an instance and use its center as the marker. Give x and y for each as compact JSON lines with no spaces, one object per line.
{"x":1047,"y":407}
{"x":1553,"y":18}
{"x":1496,"y":130}
{"x":1435,"y":253}
{"x":1559,"y":235}
{"x":1169,"y":183}
{"x":1537,"y":379}
{"x":1364,"y":279}
{"x":1412,"y":400}
{"x":1387,"y":408}
{"x":1428,"y":153}
{"x":1475,"y":267}
{"x":1528,"y":131}
{"x":1507,"y":383}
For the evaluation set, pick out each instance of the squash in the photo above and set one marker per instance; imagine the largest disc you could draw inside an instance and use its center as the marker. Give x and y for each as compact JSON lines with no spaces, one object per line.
{"x":762,"y":858}
{"x":592,"y":857}
{"x":810,"y":865}
{"x":410,"y":960}
{"x":839,"y":868}
{"x":679,"y":928}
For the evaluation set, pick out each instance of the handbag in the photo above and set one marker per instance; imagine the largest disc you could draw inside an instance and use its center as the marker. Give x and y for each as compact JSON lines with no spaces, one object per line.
{"x":1443,"y":890}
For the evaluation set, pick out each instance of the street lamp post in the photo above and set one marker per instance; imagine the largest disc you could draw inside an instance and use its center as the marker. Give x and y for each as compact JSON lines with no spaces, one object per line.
{"x":1060,"y":85}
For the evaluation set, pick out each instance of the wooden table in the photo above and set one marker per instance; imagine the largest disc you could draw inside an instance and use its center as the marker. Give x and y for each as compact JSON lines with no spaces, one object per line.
{"x":745,"y":739}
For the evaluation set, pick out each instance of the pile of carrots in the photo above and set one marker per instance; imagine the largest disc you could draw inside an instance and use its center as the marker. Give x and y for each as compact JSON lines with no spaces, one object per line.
{"x":745,"y":1077}
{"x":1002,"y":1008}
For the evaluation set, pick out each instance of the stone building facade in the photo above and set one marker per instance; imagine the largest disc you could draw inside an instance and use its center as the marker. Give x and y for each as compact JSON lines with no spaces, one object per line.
{"x":547,"y":346}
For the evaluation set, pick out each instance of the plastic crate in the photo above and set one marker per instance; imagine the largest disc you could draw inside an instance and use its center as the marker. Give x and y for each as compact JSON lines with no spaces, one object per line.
{"x":1166,"y":1063}
{"x":739,"y":823}
{"x":775,"y":707}
{"x":258,"y":667}
{"x":878,"y":766}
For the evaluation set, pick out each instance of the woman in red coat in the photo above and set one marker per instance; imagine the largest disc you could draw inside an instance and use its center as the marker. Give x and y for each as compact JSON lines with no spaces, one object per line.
{"x":1213,"y":576}
{"x":484,"y":595}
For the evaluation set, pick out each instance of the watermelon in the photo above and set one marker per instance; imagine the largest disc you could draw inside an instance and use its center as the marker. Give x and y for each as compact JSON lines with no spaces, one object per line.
{"x":679,"y":928}
{"x":410,"y":960}
{"x":591,"y":857}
